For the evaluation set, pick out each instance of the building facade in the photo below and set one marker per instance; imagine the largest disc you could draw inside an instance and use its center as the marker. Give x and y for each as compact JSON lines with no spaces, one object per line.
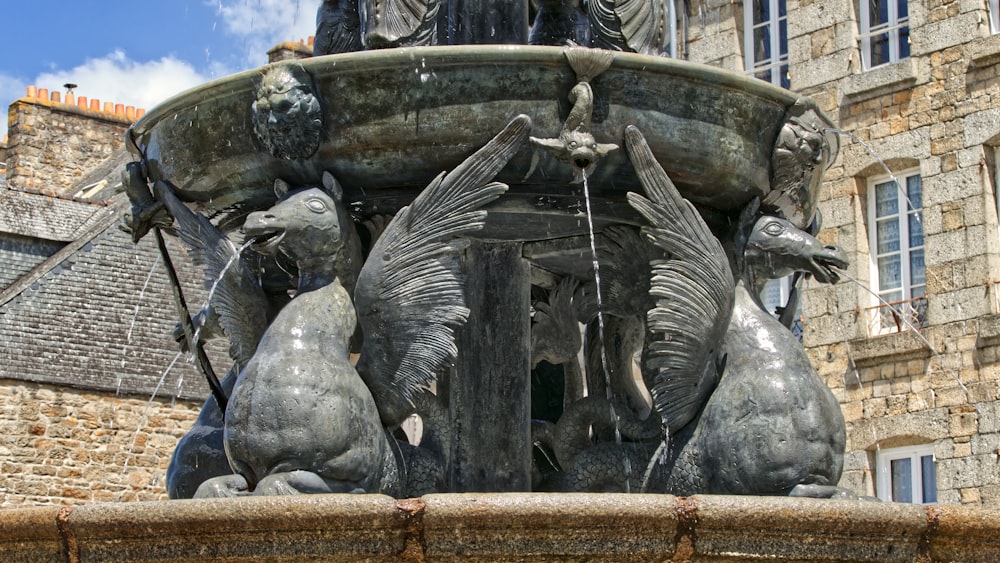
{"x":908,"y":341}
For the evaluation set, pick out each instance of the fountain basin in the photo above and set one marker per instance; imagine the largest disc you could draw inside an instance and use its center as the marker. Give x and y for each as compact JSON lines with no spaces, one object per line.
{"x":491,"y":527}
{"x":394,"y":119}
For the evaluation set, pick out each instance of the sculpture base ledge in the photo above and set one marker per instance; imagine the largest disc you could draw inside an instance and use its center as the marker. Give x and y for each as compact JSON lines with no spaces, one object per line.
{"x":491,"y":527}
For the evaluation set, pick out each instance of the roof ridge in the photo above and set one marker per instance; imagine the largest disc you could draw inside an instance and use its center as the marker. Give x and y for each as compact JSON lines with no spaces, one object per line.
{"x":96,"y":229}
{"x":60,"y":196}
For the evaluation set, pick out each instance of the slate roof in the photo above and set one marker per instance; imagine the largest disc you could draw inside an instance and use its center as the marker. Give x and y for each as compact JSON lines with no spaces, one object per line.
{"x":69,"y":321}
{"x":46,"y":216}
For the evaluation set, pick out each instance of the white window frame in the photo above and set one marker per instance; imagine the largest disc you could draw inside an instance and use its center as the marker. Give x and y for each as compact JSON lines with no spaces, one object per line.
{"x":902,"y":215}
{"x":894,"y":26}
{"x":884,"y":459}
{"x":777,"y":63}
{"x":993,"y":9}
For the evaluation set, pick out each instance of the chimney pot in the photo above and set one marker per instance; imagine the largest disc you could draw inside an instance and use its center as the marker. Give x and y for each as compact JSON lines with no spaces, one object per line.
{"x":95,"y":104}
{"x":82,"y":102}
{"x":70,"y":99}
{"x":32,"y":92}
{"x":56,"y":97}
{"x":43,"y":93}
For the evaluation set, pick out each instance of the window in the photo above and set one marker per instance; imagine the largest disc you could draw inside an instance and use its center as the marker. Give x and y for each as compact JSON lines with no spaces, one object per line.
{"x":885,"y":32}
{"x":993,"y":7}
{"x":907,"y":475}
{"x":896,"y":239}
{"x":775,"y":297}
{"x":765,"y":41}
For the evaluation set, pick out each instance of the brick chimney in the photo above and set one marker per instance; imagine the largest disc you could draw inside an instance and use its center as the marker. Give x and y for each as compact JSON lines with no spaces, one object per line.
{"x":54,"y":142}
{"x":290,"y":50}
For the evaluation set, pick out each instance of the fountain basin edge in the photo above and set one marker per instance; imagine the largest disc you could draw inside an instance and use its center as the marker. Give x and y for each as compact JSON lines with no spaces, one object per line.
{"x":394,"y":119}
{"x":508,"y":526}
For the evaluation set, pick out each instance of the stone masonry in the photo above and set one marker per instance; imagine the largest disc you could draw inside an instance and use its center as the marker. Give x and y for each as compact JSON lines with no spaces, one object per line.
{"x":937,"y":111}
{"x":67,"y":446}
{"x":53,"y":144}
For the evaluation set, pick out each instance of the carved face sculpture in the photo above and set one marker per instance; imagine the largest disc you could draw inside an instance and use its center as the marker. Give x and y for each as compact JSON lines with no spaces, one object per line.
{"x":287,"y":116}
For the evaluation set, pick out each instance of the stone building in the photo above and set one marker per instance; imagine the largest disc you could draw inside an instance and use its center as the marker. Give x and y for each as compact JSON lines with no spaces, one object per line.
{"x":909,"y":341}
{"x":909,"y":348}
{"x":84,"y":343}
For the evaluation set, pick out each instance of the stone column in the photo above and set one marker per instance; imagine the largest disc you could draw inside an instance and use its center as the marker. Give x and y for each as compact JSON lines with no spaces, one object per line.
{"x":479,"y":22}
{"x":490,"y":388}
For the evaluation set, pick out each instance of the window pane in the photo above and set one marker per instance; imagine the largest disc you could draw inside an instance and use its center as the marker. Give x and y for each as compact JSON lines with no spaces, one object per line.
{"x":886,"y":199}
{"x":901,"y":9}
{"x":786,"y":82}
{"x":762,"y":44}
{"x":878,"y":12}
{"x":916,"y":230}
{"x":902,"y":490}
{"x":904,"y":43}
{"x":914,"y":192}
{"x":782,"y":12}
{"x":928,"y":475}
{"x":761,"y":11}
{"x":765,"y":76}
{"x":918,"y":274}
{"x":887,"y":236}
{"x":879,"y":53}
{"x":890,"y":275}
{"x":771,"y":296}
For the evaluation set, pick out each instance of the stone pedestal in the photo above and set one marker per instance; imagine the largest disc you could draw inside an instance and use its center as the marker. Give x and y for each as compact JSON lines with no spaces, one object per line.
{"x":489,"y":390}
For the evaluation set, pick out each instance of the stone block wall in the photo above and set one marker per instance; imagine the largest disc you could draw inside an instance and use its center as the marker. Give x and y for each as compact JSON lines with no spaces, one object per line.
{"x":67,"y":446}
{"x":938,"y":112}
{"x":290,"y":51}
{"x":53,"y":143}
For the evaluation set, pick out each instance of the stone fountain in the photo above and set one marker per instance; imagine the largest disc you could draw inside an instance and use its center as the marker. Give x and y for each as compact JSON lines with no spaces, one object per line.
{"x":442,"y":209}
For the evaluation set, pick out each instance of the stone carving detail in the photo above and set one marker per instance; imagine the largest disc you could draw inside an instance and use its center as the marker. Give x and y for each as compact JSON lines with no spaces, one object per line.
{"x":287,"y":114}
{"x":638,"y":26}
{"x":683,"y":376}
{"x":408,"y":300}
{"x":722,"y":366}
{"x":575,"y":143}
{"x":338,"y":28}
{"x":399,"y":23}
{"x":801,"y":152}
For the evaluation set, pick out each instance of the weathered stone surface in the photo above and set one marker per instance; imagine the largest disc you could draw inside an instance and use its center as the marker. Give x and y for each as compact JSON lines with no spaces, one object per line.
{"x":509,"y":527}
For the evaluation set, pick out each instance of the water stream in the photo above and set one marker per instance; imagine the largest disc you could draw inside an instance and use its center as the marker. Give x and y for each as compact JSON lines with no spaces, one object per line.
{"x":911,"y":328}
{"x":145,"y":412}
{"x":135,"y":315}
{"x":215,"y":285}
{"x":615,"y":419}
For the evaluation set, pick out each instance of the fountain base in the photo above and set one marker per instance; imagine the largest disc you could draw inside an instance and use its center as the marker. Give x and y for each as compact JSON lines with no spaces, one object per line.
{"x":495,"y":527}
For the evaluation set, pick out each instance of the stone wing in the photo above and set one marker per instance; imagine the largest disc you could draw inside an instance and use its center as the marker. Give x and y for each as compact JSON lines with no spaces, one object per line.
{"x":693,"y":290}
{"x":409,"y":295}
{"x":236,"y":298}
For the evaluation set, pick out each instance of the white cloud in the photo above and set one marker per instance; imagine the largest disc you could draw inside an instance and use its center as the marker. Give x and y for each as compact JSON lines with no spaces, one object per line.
{"x":265,"y":23}
{"x":116,"y":78}
{"x":11,"y":88}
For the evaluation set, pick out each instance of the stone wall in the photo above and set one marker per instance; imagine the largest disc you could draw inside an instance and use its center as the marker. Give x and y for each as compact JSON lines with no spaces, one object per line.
{"x":53,"y":144}
{"x":290,"y":51}
{"x":938,"y":112}
{"x":66,"y":446}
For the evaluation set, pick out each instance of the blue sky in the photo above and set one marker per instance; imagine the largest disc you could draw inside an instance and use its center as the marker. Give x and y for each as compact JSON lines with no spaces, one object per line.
{"x":139,"y":52}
